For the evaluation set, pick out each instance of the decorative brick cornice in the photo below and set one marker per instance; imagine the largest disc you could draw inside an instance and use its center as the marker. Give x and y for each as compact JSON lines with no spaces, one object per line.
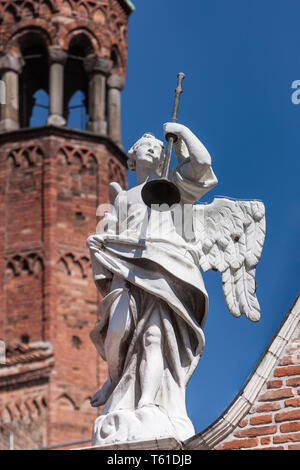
{"x":31,"y":153}
{"x":26,"y":363}
{"x":29,"y":261}
{"x":69,"y":260}
{"x":41,"y":132}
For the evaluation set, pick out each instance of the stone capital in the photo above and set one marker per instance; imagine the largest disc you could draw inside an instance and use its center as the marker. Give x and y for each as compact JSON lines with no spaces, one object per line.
{"x":10,"y":62}
{"x":116,"y":81}
{"x":57,"y":55}
{"x":94,"y":64}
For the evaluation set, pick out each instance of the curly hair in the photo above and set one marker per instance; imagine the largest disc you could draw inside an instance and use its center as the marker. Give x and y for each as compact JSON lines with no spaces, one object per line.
{"x":131,"y":153}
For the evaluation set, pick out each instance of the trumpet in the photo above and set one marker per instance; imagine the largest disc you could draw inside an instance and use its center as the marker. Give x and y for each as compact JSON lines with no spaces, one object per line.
{"x":161,"y":190}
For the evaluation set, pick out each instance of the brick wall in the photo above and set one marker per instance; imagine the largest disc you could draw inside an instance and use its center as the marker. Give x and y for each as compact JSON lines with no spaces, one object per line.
{"x":265,"y":414}
{"x":24,"y":415}
{"x":24,"y":394}
{"x":48,"y":291}
{"x":273,"y":422}
{"x":105,"y":23}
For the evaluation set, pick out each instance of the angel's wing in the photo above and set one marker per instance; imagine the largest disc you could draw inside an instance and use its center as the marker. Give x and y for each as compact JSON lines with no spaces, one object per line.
{"x":230,"y":235}
{"x":113,"y":190}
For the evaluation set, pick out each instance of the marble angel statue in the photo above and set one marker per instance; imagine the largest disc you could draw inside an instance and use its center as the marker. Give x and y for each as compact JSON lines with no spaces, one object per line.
{"x":155,"y":304}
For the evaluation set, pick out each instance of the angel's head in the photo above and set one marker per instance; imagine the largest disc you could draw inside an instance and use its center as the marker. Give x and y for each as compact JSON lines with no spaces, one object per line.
{"x":148,"y":153}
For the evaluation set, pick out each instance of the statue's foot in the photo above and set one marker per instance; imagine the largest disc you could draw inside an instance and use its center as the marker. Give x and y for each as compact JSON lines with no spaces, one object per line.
{"x":98,"y":399}
{"x":101,"y":397}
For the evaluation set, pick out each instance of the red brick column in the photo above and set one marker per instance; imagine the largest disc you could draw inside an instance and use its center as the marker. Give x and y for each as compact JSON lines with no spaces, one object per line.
{"x":50,"y":253}
{"x":49,"y":238}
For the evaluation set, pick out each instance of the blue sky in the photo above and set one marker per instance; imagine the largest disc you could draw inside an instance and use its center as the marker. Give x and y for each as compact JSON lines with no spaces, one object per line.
{"x":240,"y":59}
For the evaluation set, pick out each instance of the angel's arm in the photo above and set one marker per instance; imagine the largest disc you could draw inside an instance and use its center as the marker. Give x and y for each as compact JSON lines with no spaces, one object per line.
{"x":190,"y":149}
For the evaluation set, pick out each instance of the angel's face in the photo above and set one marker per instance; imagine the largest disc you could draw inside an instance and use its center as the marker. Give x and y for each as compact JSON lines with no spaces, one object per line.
{"x":148,"y":154}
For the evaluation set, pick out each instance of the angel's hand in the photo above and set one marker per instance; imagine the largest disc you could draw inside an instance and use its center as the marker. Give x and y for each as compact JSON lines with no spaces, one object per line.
{"x":179,"y":130}
{"x":174,"y":128}
{"x":198,"y":154}
{"x":92,"y":242}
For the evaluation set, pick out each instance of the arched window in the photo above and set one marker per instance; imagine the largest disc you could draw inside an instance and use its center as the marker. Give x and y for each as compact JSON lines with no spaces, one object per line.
{"x":40,"y":109}
{"x":76,"y":82}
{"x":77,"y":116}
{"x":34,"y":78}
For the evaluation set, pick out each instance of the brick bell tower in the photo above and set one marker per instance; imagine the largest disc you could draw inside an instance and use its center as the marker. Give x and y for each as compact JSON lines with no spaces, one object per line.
{"x":52,"y":178}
